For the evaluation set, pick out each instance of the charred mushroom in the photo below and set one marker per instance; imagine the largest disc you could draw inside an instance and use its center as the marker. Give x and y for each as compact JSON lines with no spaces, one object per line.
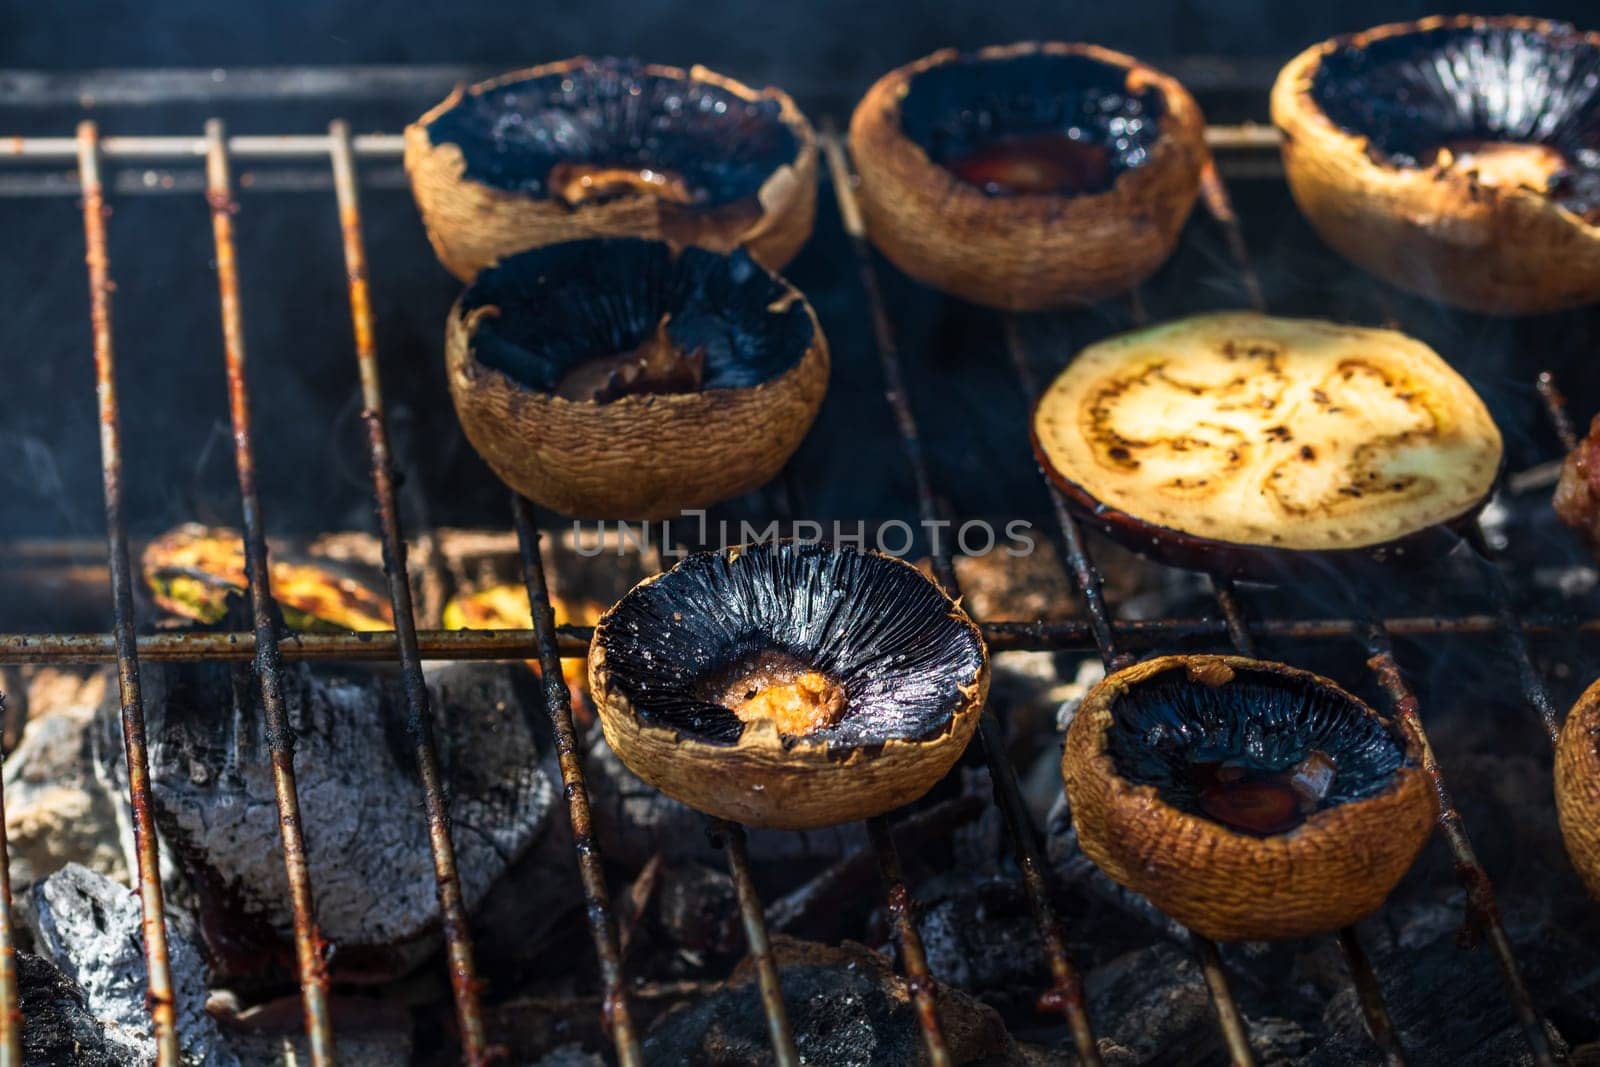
{"x":1578,"y":787}
{"x":612,"y":148}
{"x":193,"y":570}
{"x":1248,"y":800}
{"x":1577,"y":496}
{"x":1457,"y":157}
{"x":620,"y":379}
{"x":789,"y":685}
{"x":1243,"y":444}
{"x":1030,"y":176}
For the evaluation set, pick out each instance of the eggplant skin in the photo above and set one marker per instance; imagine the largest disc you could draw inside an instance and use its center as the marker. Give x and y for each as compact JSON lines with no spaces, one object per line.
{"x":1333,"y":869}
{"x":1361,"y":116}
{"x":1578,"y":787}
{"x":913,"y":666}
{"x":1029,"y":252}
{"x":1246,"y":444}
{"x":192,"y":572}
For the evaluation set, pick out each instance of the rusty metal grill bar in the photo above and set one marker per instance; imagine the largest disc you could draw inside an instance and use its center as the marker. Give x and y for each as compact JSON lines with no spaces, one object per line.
{"x":1369,"y":991}
{"x":615,"y":1012}
{"x":464,"y":983}
{"x":1087,"y":576}
{"x":572,"y":642}
{"x":1483,"y":913}
{"x":1066,"y":992}
{"x":754,"y":919}
{"x":268,"y":665}
{"x":163,"y":1010}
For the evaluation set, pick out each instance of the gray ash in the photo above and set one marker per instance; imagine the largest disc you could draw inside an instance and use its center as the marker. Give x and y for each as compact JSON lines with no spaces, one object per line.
{"x":360,"y":802}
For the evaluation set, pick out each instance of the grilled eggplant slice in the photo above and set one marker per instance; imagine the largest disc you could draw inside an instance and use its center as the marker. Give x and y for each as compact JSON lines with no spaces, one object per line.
{"x":1578,"y":787}
{"x":1239,"y":443}
{"x":1029,"y":176}
{"x":1457,"y":157}
{"x":789,"y":685}
{"x":612,"y":148}
{"x":193,"y":570}
{"x":504,"y":606}
{"x":620,"y":379}
{"x":1246,"y":799}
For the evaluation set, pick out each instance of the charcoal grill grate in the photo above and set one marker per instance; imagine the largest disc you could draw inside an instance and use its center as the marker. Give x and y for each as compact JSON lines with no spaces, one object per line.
{"x":1114,"y":639}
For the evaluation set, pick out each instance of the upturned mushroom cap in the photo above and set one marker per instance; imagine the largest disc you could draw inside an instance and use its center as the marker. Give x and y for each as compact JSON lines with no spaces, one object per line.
{"x":1362,"y":115}
{"x":1578,"y":787}
{"x":912,"y":665}
{"x":1036,"y":250}
{"x":1125,"y":767}
{"x":1246,"y":444}
{"x":528,"y":321}
{"x":480,"y":162}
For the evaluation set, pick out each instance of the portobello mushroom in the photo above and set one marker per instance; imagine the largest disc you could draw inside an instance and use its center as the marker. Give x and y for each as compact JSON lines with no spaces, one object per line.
{"x":1578,"y":787}
{"x":789,"y":685}
{"x":1457,"y":157}
{"x":1246,"y":799}
{"x":612,"y":148}
{"x":193,"y":570}
{"x":621,"y":379}
{"x":1032,"y":176}
{"x":1243,"y":444}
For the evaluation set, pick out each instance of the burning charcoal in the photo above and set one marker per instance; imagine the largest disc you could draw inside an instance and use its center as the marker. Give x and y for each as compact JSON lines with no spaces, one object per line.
{"x":56,"y":811}
{"x":979,"y":935}
{"x":846,"y":1007}
{"x":367,"y":1033}
{"x":698,"y":909}
{"x":1148,"y":1003}
{"x":360,"y":800}
{"x":1070,"y":868}
{"x":57,"y":1028}
{"x":89,"y":926}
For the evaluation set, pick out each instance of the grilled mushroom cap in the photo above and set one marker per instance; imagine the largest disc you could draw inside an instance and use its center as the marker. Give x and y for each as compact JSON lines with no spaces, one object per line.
{"x":1203,"y":783}
{"x":192,"y":570}
{"x":1244,"y":444}
{"x":1458,"y":157}
{"x":1080,"y":164}
{"x":542,"y":320}
{"x":789,"y":685}
{"x":612,"y":148}
{"x":1578,"y":787}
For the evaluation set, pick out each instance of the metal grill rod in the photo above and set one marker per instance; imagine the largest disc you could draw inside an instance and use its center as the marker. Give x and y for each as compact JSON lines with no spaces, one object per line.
{"x":1087,"y":576}
{"x":163,"y":1010}
{"x":1066,"y":993}
{"x":1369,"y":991}
{"x":614,"y":1008}
{"x":464,"y":982}
{"x":1244,"y":138}
{"x":1483,"y":912}
{"x":572,"y":642}
{"x":268,"y":667}
{"x":753,"y":915}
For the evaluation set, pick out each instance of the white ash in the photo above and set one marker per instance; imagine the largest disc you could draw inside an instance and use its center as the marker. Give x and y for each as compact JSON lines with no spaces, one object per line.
{"x":56,"y":811}
{"x":360,"y":797}
{"x":89,"y":927}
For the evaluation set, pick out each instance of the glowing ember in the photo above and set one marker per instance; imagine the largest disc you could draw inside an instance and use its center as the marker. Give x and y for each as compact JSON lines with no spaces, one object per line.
{"x":1035,"y":163}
